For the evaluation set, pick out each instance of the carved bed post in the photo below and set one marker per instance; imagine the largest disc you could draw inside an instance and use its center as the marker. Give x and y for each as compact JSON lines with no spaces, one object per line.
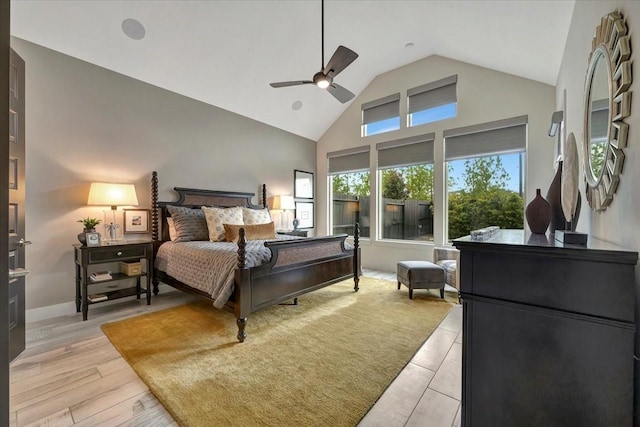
{"x":264,"y":195}
{"x":241,"y":318}
{"x":154,"y":228}
{"x":356,"y":257}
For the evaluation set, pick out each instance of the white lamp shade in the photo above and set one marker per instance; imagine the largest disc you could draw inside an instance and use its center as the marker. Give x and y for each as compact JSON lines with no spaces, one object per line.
{"x":107,"y":194}
{"x":283,"y":203}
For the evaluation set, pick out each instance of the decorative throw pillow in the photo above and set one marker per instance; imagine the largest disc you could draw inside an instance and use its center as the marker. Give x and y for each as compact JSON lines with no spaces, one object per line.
{"x":251,"y":232}
{"x":172,"y":229}
{"x":256,"y":216}
{"x":216,"y":217}
{"x":189,"y":224}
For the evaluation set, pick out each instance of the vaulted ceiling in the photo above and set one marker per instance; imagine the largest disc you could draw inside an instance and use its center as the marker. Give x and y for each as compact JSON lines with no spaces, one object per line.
{"x":226,"y":53}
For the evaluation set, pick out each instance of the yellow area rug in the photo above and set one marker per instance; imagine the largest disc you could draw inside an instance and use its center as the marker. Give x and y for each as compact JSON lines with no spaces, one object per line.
{"x":323,"y":362}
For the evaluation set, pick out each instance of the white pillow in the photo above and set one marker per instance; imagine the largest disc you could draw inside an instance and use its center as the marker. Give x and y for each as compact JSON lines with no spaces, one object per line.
{"x":255,"y":216}
{"x":217,"y":217}
{"x":172,"y":229}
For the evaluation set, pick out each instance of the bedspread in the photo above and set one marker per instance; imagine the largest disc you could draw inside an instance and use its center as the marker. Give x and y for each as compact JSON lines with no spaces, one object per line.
{"x":210,"y":266}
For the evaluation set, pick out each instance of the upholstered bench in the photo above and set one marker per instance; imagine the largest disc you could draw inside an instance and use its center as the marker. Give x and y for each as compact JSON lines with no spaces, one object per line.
{"x":420,"y":275}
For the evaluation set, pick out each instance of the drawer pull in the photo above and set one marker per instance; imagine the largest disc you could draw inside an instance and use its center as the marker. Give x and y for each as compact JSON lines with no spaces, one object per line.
{"x":119,"y":253}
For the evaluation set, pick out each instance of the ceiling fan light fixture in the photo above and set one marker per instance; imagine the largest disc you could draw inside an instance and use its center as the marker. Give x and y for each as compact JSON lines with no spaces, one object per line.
{"x":321,"y":80}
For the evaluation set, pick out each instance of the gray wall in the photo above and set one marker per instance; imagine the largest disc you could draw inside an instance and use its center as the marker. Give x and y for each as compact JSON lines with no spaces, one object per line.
{"x":483,"y":95}
{"x":85,"y":123}
{"x":619,"y":223}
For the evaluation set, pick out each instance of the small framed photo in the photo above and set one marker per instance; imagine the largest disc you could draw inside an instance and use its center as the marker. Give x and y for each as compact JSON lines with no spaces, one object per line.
{"x":136,"y":221}
{"x":92,"y":239}
{"x":303,"y":184}
{"x":304,"y":214}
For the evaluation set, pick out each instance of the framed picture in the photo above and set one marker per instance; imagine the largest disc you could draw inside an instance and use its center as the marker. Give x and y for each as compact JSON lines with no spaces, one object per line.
{"x":136,"y":221}
{"x":304,"y":214}
{"x":92,"y":239}
{"x":303,"y":185}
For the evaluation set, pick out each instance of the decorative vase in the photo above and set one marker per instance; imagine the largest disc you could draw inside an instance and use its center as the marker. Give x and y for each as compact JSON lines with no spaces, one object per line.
{"x":82,"y":238}
{"x":554,"y":197}
{"x":538,"y":214}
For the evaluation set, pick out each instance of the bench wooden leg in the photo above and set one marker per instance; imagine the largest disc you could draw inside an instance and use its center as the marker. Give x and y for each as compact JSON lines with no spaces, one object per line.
{"x":442,"y":293}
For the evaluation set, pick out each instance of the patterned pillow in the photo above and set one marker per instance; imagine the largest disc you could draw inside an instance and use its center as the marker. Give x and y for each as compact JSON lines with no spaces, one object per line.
{"x":252,"y":232}
{"x":189,"y":224}
{"x":216,"y":217}
{"x":256,"y":216}
{"x":172,"y":229}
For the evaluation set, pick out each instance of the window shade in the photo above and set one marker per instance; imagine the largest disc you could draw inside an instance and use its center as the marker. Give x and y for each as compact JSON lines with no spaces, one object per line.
{"x":406,"y":152}
{"x":350,"y":160}
{"x":381,"y":109}
{"x":433,"y":94}
{"x":502,"y":136}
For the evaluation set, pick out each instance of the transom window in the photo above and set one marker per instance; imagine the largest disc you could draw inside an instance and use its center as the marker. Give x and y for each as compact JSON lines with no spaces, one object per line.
{"x":381,"y":115}
{"x":432,"y":102}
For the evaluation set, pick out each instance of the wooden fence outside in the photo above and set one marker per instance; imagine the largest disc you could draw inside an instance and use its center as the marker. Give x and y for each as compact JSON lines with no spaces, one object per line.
{"x":402,"y":219}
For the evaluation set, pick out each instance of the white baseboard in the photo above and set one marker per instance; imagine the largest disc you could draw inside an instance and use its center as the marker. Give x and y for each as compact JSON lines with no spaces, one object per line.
{"x":69,"y":308}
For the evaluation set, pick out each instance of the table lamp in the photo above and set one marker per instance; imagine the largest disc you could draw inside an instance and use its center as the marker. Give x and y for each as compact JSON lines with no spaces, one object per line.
{"x":283,"y":203}
{"x":114,"y":195}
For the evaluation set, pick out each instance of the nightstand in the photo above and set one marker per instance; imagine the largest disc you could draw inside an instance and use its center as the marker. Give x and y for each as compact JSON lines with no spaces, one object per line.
{"x":129,"y":251}
{"x":299,"y":233}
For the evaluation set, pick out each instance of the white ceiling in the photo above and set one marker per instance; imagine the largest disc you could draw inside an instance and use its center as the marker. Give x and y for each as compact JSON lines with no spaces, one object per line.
{"x":226,"y":53}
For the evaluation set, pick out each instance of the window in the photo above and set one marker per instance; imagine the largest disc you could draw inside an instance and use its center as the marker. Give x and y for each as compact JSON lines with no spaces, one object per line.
{"x":485,"y":176}
{"x":432,"y":102}
{"x":405,"y":171}
{"x":381,"y":115}
{"x":349,"y":190}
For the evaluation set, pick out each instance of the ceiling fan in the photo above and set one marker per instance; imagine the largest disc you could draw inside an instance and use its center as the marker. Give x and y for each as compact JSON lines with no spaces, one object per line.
{"x":342,"y":57}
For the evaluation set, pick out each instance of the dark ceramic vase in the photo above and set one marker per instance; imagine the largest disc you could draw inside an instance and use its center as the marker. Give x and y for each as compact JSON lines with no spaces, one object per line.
{"x":538,"y":214}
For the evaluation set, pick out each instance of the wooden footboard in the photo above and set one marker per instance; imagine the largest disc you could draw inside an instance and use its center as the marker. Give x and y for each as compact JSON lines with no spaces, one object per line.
{"x":296,"y":268}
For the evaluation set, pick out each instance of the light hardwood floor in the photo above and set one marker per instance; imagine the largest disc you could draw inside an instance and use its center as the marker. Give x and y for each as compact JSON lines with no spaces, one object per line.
{"x":71,"y":375}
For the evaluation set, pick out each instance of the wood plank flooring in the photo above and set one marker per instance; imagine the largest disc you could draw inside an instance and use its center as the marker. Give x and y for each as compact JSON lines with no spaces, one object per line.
{"x":71,"y":375}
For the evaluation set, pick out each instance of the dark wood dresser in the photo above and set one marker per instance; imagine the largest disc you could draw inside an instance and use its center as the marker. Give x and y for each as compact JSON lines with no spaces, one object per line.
{"x":548,"y":332}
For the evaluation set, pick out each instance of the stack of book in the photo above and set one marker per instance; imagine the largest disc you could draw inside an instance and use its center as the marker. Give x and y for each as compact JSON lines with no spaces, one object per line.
{"x":97,"y":298}
{"x":100,"y":276}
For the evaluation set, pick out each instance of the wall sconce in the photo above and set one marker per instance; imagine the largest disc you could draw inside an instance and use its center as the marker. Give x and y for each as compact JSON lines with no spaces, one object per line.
{"x":283,"y":203}
{"x":114,"y":195}
{"x":556,"y":119}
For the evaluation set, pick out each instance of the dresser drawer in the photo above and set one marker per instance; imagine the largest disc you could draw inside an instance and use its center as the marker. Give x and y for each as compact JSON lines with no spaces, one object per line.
{"x":116,"y":253}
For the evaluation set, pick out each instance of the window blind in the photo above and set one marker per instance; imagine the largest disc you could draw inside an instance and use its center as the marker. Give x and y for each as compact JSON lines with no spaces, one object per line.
{"x":349,"y":160}
{"x":432,"y":94}
{"x":381,"y":109}
{"x":502,"y":136}
{"x":406,"y":152}
{"x":599,"y":123}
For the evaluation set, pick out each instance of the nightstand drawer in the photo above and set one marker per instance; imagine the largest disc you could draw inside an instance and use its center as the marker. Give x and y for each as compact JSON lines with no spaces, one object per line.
{"x":116,"y":253}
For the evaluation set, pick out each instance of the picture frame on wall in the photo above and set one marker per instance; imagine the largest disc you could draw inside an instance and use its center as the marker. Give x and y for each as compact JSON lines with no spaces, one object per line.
{"x":302,"y":184}
{"x":136,"y":221}
{"x":304,"y":214}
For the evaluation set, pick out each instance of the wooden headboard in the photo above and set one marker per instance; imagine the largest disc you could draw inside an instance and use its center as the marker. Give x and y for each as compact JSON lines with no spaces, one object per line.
{"x":195,"y":198}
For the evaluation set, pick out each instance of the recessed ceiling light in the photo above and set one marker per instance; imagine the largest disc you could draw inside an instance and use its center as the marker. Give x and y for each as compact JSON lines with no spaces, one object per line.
{"x":133,"y":29}
{"x":296,"y":105}
{"x":409,"y":45}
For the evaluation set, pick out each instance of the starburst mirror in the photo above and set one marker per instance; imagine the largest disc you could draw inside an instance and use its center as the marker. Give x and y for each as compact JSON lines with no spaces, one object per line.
{"x":607,"y":104}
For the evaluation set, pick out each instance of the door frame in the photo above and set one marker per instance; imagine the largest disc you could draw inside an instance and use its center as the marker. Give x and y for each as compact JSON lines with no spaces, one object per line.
{"x":4,"y":215}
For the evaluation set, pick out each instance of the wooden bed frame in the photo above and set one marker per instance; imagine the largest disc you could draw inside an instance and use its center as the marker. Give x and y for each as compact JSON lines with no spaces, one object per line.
{"x":296,"y":266}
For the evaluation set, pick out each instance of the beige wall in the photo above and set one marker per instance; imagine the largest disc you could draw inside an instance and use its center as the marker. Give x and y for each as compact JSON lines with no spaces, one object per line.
{"x":85,"y":123}
{"x":619,"y":223}
{"x":483,"y":96}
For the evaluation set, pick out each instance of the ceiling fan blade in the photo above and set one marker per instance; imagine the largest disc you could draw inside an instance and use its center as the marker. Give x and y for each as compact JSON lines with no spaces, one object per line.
{"x":291,"y":83}
{"x":342,"y":57}
{"x":340,"y":93}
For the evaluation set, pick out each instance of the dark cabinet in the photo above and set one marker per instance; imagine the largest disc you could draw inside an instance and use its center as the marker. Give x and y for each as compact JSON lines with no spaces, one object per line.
{"x":548,"y":332}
